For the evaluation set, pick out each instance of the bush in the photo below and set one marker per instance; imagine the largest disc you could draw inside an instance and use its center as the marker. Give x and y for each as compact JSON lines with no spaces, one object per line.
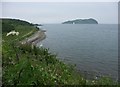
{"x":7,"y":27}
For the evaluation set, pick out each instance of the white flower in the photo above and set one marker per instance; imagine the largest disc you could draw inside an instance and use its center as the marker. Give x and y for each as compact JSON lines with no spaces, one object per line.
{"x":12,"y":33}
{"x":93,"y":82}
{"x":17,"y":33}
{"x":86,"y":80}
{"x":50,"y":70}
{"x":96,"y":77}
{"x":54,"y":77}
{"x":41,"y":68}
{"x":32,"y":67}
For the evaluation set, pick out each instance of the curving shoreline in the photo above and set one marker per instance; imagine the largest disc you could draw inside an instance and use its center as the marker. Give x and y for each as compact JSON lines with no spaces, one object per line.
{"x":35,"y":38}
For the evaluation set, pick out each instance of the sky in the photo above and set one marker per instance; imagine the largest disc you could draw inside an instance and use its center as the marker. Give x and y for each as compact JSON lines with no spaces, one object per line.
{"x":57,"y":12}
{"x":59,"y":0}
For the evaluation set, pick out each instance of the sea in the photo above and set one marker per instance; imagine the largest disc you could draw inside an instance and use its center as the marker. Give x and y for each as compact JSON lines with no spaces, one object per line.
{"x":91,"y":48}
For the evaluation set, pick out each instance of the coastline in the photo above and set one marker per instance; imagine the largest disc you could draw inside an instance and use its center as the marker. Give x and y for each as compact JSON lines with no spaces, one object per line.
{"x":34,"y":38}
{"x":28,"y":64}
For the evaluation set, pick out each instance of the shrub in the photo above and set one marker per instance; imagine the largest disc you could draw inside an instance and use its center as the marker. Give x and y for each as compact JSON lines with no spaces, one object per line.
{"x":7,"y":27}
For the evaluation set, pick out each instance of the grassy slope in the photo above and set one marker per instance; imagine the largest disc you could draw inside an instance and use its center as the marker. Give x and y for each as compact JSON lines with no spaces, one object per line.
{"x":23,"y":65}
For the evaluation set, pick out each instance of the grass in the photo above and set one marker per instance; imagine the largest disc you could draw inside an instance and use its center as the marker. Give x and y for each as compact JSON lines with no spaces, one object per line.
{"x":25,"y":31}
{"x":26,"y":65}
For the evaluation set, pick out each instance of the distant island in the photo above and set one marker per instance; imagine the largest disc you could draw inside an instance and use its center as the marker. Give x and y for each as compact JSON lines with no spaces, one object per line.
{"x":81,"y":21}
{"x":38,"y":24}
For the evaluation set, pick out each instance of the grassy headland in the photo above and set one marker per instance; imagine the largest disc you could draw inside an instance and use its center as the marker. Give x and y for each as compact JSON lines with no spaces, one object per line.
{"x":26,"y":65}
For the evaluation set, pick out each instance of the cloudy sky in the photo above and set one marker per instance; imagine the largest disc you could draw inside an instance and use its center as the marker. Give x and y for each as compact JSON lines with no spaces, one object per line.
{"x":57,"y":12}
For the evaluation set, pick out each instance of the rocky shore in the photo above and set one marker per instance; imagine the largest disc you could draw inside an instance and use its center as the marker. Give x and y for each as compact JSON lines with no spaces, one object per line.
{"x":35,"y":38}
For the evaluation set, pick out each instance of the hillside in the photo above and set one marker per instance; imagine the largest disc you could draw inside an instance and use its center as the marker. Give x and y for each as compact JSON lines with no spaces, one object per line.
{"x":81,"y":21}
{"x":24,"y":64}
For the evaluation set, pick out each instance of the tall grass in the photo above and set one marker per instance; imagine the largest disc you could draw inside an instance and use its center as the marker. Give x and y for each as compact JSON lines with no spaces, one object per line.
{"x":37,"y":66}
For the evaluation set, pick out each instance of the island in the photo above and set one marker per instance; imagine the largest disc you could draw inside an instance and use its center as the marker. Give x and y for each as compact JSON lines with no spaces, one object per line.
{"x":38,"y":24}
{"x":81,"y":21}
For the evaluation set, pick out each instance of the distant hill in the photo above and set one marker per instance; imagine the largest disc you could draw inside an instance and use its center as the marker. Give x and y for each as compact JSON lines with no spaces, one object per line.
{"x":11,"y":24}
{"x":81,"y":21}
{"x":38,"y":24}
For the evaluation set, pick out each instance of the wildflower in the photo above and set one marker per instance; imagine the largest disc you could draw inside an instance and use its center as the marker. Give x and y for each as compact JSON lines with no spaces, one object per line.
{"x":50,"y":70}
{"x":12,"y":63}
{"x":59,"y":76}
{"x":96,"y":77}
{"x":41,"y":68}
{"x":93,"y":81}
{"x":32,"y":67}
{"x":86,"y":81}
{"x":56,"y":74}
{"x":54,"y":77}
{"x":17,"y":33}
{"x":12,"y":33}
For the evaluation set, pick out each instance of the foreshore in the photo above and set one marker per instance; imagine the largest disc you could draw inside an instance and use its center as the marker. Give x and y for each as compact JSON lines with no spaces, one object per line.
{"x":35,"y":38}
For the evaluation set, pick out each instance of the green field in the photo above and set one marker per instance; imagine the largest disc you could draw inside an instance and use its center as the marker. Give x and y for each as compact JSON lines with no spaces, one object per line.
{"x":26,"y":65}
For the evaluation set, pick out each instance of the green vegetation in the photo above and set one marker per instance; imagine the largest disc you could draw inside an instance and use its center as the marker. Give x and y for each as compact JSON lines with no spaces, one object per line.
{"x":7,"y":27}
{"x":30,"y":65}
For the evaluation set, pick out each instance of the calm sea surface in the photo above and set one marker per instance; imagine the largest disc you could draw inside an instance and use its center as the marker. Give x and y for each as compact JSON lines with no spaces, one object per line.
{"x":93,"y":48}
